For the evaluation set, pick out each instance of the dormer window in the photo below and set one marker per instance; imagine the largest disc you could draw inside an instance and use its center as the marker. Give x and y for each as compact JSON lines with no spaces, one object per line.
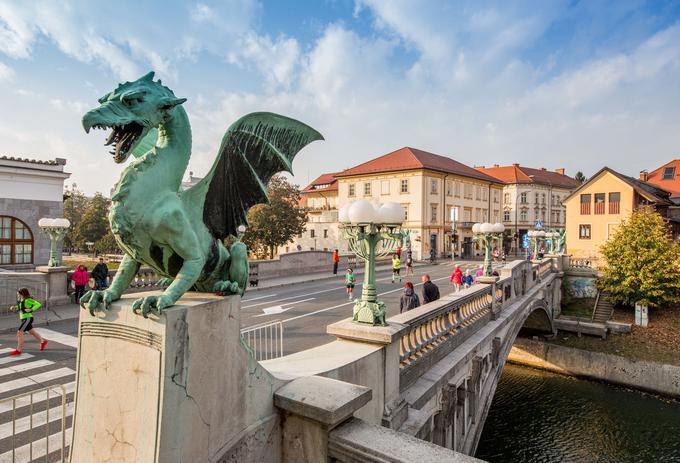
{"x":669,"y":173}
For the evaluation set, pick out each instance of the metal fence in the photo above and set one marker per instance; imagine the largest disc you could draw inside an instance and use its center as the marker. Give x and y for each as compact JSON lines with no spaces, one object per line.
{"x":265,"y":340}
{"x":37,"y":431}
{"x":9,"y":285}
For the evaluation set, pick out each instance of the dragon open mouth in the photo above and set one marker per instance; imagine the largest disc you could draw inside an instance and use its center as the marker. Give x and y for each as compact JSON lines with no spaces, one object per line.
{"x":123,"y":137}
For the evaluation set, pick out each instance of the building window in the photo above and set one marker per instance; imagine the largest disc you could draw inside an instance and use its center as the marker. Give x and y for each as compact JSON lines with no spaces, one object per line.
{"x":456,"y":189}
{"x":367,"y":189}
{"x":523,"y":198}
{"x":467,"y":215}
{"x":405,"y":208}
{"x":584,"y":232}
{"x":311,"y":234}
{"x":384,"y":187}
{"x":599,"y":203}
{"x":614,"y":203}
{"x":467,"y":191}
{"x":16,"y":242}
{"x":585,"y":204}
{"x":506,"y":198}
{"x":496,"y":194}
{"x":351,"y":190}
{"x":325,"y":233}
{"x":434,"y":185}
{"x":449,"y":188}
{"x":404,"y":185}
{"x":523,"y":216}
{"x":506,"y":216}
{"x":485,"y":194}
{"x":433,"y":213}
{"x":478,"y":192}
{"x":542,"y":198}
{"x":669,"y":173}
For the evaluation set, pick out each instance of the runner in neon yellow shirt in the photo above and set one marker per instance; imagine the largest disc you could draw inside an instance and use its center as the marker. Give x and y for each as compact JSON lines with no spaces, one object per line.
{"x":26,"y":306}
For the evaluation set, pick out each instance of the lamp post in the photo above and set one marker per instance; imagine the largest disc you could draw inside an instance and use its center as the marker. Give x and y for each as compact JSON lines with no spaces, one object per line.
{"x":486,"y":234}
{"x":55,"y":229}
{"x":536,"y":236}
{"x":372,"y":231}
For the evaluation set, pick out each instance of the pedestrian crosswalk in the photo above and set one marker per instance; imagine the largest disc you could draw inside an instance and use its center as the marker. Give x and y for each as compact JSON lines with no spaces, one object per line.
{"x":36,"y":404}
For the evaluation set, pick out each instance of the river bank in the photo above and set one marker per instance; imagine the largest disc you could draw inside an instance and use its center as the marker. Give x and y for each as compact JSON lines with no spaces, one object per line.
{"x":639,"y":374}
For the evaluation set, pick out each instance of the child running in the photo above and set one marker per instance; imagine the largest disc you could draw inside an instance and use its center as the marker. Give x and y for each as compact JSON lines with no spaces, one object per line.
{"x":349,"y":282}
{"x":26,"y":306}
{"x":396,"y":268}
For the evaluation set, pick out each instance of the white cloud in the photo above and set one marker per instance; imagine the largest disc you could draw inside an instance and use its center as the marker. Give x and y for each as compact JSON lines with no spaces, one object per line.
{"x":6,"y":72}
{"x":276,"y":59}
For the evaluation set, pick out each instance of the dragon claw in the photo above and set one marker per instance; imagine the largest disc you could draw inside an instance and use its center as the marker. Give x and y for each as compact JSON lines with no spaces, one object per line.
{"x":150,"y":304}
{"x":90,"y":300}
{"x":226,"y":287}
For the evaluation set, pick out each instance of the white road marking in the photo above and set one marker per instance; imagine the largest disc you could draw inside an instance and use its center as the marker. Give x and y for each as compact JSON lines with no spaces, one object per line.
{"x":24,"y":366}
{"x":61,"y":338}
{"x":292,"y":297}
{"x":35,"y":379}
{"x":39,"y":419}
{"x":277,"y":309}
{"x":40,"y":446}
{"x":256,"y":298}
{"x":11,"y":359}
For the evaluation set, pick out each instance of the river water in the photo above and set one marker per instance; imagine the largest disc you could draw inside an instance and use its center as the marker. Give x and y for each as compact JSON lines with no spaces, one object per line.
{"x":538,"y":416}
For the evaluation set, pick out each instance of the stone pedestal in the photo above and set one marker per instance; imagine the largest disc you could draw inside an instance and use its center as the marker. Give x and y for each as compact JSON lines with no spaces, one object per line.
{"x":491,"y":280}
{"x":179,"y":387}
{"x":57,"y":278}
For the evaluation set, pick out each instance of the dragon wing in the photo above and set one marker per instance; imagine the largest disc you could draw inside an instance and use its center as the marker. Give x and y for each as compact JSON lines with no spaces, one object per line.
{"x":253,"y":149}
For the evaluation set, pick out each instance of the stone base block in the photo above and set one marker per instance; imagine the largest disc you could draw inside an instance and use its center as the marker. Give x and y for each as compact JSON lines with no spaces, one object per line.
{"x":179,"y":387}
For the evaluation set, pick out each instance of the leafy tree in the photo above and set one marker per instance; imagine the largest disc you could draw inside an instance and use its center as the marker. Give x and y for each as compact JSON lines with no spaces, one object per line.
{"x":107,"y":245}
{"x":275,"y":224}
{"x":94,"y":224}
{"x":75,"y":203}
{"x":580,"y":177}
{"x":642,"y":262}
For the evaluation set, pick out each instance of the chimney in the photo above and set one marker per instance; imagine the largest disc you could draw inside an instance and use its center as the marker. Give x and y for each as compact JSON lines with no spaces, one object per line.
{"x":644,"y":175}
{"x":516,"y":164}
{"x":496,"y":165}
{"x":543,"y":168}
{"x":479,"y":167}
{"x":560,"y":170}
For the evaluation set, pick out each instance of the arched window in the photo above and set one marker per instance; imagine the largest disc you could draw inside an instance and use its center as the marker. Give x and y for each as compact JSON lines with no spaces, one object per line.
{"x":16,"y":242}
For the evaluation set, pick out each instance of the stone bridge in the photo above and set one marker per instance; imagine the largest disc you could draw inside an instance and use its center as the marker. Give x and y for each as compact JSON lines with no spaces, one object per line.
{"x":433,"y":370}
{"x":418,"y":389}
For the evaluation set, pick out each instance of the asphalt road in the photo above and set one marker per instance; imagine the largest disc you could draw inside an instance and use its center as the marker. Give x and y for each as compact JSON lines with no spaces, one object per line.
{"x":306,"y":309}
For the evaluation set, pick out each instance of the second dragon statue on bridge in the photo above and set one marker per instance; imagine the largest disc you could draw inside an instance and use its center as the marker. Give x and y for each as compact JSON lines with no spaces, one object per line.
{"x":180,"y":233}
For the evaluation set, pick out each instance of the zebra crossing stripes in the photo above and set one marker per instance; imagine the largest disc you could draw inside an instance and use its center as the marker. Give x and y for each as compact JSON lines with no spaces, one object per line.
{"x":35,"y":393}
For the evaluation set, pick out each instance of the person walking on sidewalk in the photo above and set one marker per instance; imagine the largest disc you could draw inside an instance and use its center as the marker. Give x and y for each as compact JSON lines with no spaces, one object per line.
{"x":336,"y":261}
{"x":409,"y":299}
{"x":409,"y":263}
{"x":349,"y":282}
{"x":80,"y":278}
{"x":396,"y":268}
{"x":430,"y":290}
{"x":457,"y":278}
{"x":26,"y":306}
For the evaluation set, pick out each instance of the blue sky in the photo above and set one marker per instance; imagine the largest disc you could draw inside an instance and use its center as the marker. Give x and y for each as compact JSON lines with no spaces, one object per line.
{"x":575,"y":84}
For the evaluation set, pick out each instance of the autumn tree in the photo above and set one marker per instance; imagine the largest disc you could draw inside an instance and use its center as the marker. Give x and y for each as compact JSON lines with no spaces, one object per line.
{"x":275,"y":224}
{"x":642,"y":262}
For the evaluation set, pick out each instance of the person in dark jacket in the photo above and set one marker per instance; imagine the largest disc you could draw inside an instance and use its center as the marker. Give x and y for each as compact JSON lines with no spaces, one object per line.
{"x":430,"y":290}
{"x":409,"y":299}
{"x":100,"y":273}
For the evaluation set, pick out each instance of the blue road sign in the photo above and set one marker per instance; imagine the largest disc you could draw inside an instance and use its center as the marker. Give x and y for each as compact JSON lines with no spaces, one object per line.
{"x":525,"y":241}
{"x":538,"y":224}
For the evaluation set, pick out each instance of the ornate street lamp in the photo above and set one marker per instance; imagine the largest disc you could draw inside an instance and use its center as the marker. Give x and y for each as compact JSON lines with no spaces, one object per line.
{"x":55,"y":229}
{"x":536,"y":236}
{"x":372,"y":231}
{"x":552,"y":236}
{"x":486,"y":234}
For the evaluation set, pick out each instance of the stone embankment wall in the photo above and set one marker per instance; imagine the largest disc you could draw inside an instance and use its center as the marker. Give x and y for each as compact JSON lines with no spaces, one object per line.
{"x":639,"y":374}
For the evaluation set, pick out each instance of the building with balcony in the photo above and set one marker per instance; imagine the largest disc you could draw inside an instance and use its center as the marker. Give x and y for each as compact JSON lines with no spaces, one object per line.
{"x":29,"y":190}
{"x":597,"y":208}
{"x":441,"y":197}
{"x":529,"y":195}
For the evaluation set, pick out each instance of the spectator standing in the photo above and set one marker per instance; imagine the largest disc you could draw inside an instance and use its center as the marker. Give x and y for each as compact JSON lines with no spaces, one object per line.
{"x":100,"y":273}
{"x":430,"y":290}
{"x":336,"y":261}
{"x":467,"y":279}
{"x":80,"y":278}
{"x":409,"y":299}
{"x":457,"y":278}
{"x":398,"y":252}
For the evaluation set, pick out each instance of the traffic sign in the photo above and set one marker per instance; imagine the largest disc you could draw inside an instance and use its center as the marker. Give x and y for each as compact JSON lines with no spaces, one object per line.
{"x":538,"y":224}
{"x":525,"y":241}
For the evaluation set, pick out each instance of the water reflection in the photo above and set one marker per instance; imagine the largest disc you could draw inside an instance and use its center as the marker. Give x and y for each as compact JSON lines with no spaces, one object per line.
{"x":540,"y":417}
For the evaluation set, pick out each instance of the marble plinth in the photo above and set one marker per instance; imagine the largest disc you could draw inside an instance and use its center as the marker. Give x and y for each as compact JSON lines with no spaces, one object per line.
{"x":175,"y":388}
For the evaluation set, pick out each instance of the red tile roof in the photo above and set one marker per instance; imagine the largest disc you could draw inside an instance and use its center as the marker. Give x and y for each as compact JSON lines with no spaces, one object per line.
{"x":520,"y":174}
{"x":319,"y":183}
{"x":411,"y":158}
{"x":672,"y":185}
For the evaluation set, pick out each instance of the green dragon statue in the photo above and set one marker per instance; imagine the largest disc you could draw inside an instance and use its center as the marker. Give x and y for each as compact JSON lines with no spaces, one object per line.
{"x":180,"y":234}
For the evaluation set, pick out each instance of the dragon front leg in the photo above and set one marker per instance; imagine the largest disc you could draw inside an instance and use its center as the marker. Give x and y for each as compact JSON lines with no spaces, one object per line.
{"x":181,"y":238}
{"x":124,"y":276}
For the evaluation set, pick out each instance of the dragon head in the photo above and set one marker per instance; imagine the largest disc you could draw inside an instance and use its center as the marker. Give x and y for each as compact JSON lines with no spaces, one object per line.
{"x":130,"y":111}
